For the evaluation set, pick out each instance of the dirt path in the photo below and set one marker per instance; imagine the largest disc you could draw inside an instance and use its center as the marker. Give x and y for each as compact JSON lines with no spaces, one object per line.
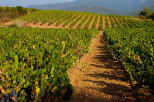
{"x":97,"y":77}
{"x":38,"y":25}
{"x":7,"y":23}
{"x":104,"y":23}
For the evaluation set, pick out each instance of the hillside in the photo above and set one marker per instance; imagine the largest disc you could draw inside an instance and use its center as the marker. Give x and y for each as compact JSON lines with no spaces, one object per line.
{"x":76,"y":56}
{"x":94,"y":9}
{"x":77,"y":6}
{"x":81,"y":20}
{"x":100,"y":6}
{"x":8,"y":13}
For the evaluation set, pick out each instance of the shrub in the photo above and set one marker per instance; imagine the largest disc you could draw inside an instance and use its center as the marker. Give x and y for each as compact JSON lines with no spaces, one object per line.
{"x":147,"y":13}
{"x":18,"y":24}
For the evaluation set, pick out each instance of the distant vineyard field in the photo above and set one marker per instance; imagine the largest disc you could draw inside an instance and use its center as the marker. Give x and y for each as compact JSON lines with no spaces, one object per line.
{"x":82,"y":20}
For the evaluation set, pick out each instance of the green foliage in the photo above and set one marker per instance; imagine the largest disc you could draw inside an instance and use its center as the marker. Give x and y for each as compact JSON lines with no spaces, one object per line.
{"x":7,"y":13}
{"x":21,"y":10}
{"x":107,"y":22}
{"x":53,"y":16}
{"x":148,"y":13}
{"x":88,"y":23}
{"x":152,"y":16}
{"x":95,"y":22}
{"x":135,"y":48}
{"x":70,"y":18}
{"x":13,"y":25}
{"x":83,"y":21}
{"x":75,"y":21}
{"x":114,"y":25}
{"x":33,"y":62}
{"x":101,"y":23}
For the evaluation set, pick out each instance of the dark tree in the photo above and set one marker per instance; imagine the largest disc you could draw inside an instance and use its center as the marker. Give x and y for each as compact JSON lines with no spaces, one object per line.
{"x":21,"y":10}
{"x":147,"y":13}
{"x":152,"y":16}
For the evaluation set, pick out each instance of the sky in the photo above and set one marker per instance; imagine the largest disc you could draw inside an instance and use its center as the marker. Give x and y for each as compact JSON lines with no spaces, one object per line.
{"x":34,"y":2}
{"x":29,"y":2}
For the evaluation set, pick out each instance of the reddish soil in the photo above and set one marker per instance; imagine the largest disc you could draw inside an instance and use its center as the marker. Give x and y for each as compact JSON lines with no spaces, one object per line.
{"x":97,"y":77}
{"x":77,"y":24}
{"x":104,"y":23}
{"x":98,"y":22}
{"x":39,"y":25}
{"x":91,"y":24}
{"x":83,"y":26}
{"x":61,"y":25}
{"x":68,"y":25}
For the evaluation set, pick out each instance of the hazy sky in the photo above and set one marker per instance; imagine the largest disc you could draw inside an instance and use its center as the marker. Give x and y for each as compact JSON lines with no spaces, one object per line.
{"x":35,"y":2}
{"x":29,"y":2}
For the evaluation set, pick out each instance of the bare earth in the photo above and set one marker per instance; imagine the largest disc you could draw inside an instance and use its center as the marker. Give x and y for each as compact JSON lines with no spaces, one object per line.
{"x":98,"y":22}
{"x":68,"y":25}
{"x":77,"y":24}
{"x":91,"y":24}
{"x":84,"y":24}
{"x":97,"y":77}
{"x":103,"y":22}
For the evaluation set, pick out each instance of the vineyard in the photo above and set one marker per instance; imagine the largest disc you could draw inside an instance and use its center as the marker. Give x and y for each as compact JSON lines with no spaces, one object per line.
{"x":135,"y":49}
{"x":34,"y":61}
{"x":80,"y":20}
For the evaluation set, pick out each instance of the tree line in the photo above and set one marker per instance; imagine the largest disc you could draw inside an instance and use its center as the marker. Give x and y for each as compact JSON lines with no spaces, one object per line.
{"x":147,"y":13}
{"x":7,"y":13}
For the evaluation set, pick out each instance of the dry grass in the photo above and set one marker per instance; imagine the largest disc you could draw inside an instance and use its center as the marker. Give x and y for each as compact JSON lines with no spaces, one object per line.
{"x":17,"y":23}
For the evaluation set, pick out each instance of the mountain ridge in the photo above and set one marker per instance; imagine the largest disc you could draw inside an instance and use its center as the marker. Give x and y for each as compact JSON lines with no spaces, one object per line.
{"x":100,"y":6}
